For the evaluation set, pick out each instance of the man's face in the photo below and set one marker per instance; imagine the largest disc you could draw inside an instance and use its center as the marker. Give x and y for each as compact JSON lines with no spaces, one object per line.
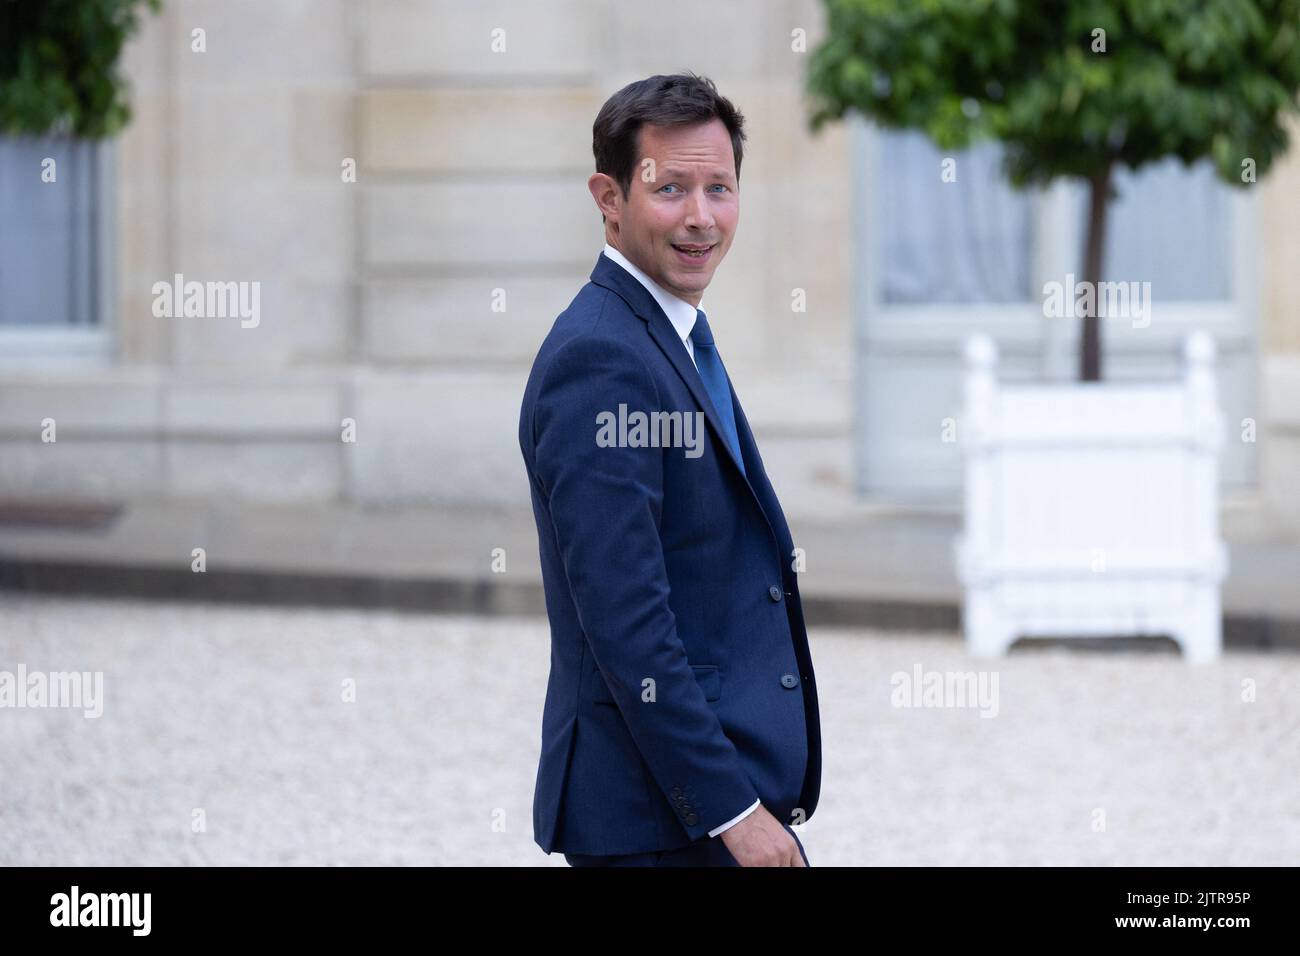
{"x":683,"y":193}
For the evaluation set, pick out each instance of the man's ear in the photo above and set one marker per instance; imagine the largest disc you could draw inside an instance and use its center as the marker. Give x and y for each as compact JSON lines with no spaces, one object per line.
{"x":605,"y":191}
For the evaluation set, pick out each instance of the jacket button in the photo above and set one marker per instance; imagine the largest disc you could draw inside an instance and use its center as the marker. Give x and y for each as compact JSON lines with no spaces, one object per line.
{"x":789,"y":680}
{"x":775,"y":592}
{"x":692,"y":819}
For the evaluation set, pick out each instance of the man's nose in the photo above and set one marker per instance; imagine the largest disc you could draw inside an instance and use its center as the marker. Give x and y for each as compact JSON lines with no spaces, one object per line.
{"x":699,"y":214}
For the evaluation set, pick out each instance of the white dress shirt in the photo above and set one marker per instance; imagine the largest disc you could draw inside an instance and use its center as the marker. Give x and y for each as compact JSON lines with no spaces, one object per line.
{"x":680,"y":312}
{"x":682,"y":315}
{"x":734,"y":820}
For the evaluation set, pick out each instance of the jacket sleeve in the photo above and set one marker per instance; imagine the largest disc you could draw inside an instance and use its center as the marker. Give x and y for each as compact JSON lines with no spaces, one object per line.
{"x":606,"y":504}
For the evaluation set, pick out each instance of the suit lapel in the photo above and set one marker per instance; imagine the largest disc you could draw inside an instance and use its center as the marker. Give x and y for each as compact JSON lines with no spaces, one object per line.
{"x":665,"y":336}
{"x":610,"y":275}
{"x":761,"y":486}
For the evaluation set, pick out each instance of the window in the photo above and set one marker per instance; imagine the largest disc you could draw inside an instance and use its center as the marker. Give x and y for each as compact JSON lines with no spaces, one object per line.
{"x":937,"y":260}
{"x":974,"y":240}
{"x":54,"y":229}
{"x":963,"y":242}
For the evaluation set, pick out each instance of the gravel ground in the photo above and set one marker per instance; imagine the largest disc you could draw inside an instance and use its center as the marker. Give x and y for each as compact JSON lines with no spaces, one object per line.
{"x":234,"y":717}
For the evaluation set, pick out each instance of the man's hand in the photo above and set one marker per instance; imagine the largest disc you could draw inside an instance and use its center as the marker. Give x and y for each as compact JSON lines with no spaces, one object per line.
{"x":760,"y":840}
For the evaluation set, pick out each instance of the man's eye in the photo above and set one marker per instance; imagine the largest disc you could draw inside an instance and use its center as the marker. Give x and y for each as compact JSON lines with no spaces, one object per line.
{"x":674,"y":186}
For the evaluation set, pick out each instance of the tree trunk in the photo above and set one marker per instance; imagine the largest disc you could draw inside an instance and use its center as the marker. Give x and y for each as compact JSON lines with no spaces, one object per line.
{"x":1090,"y":354}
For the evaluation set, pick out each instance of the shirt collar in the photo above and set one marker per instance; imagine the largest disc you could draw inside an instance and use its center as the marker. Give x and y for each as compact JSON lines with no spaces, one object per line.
{"x":680,"y":312}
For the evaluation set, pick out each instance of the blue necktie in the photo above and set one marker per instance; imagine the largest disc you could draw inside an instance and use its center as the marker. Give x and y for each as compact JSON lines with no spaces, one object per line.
{"x":715,"y":381}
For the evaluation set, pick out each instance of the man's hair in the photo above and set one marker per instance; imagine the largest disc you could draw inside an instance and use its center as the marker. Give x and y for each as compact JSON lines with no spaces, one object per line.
{"x":681,"y":99}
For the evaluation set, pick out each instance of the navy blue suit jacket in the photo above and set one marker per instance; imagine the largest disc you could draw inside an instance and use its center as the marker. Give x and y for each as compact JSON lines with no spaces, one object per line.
{"x":681,"y":687}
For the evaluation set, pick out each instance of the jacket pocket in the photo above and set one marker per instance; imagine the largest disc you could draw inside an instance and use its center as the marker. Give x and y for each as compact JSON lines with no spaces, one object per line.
{"x":706,"y":675}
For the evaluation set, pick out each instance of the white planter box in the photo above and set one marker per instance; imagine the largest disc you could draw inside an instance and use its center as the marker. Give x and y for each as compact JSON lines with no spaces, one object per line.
{"x":1091,"y":509}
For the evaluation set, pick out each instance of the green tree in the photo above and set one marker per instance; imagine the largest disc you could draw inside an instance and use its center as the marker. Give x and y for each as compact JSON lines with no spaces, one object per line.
{"x":58,"y":65}
{"x":1071,"y":87}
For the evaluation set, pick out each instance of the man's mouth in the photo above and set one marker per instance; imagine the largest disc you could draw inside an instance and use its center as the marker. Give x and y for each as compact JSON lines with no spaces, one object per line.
{"x":693,"y":251}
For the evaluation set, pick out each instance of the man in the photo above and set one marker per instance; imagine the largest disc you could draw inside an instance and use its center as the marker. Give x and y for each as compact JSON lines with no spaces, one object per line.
{"x":681,"y":724}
